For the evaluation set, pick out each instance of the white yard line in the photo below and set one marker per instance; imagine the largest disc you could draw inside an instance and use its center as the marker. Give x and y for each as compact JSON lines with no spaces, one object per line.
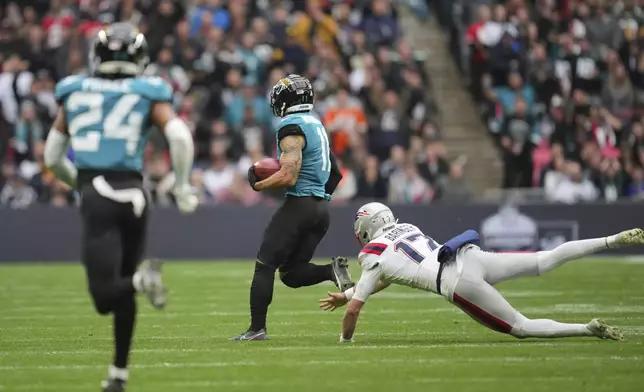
{"x":418,"y":361}
{"x":594,"y":309}
{"x":261,"y":347}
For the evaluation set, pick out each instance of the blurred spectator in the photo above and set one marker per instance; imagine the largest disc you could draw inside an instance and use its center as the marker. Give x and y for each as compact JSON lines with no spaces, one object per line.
{"x":28,"y":131}
{"x":381,"y":27}
{"x":210,"y":14}
{"x":220,"y":175}
{"x":247,"y":97}
{"x":453,"y":188}
{"x":636,"y":189}
{"x":434,"y":166}
{"x":578,"y":67}
{"x":312,"y":25}
{"x":611,"y":181}
{"x":568,"y":185}
{"x":395,"y":161}
{"x":172,"y":73}
{"x":346,"y":121}
{"x":348,"y":186}
{"x":371,"y":184}
{"x":516,"y":139}
{"x":222,"y":58}
{"x":159,"y":179}
{"x":406,"y":186}
{"x":16,"y":192}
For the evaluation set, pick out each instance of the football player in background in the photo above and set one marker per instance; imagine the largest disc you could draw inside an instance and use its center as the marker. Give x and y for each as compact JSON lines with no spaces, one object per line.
{"x":310,"y":174}
{"x":461,"y":272}
{"x":106,"y":119}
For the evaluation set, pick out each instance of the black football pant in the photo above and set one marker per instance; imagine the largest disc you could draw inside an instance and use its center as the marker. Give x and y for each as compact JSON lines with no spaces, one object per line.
{"x":114,"y":234}
{"x":289,"y":242}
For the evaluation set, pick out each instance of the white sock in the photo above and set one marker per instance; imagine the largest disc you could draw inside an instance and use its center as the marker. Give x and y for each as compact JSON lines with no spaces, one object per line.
{"x":572,"y":250}
{"x":610,"y":241}
{"x":117,"y":373}
{"x":544,"y":328}
{"x":137,"y":282}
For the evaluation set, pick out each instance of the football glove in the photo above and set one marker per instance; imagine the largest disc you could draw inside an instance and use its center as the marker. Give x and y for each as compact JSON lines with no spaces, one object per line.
{"x":252,"y":178}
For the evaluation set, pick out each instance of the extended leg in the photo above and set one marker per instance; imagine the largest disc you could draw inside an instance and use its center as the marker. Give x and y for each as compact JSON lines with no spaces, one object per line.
{"x":485,"y":304}
{"x":500,"y":267}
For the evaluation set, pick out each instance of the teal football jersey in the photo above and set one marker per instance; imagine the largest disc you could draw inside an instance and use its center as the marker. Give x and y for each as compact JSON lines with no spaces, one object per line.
{"x":107,"y":120}
{"x":316,"y":164}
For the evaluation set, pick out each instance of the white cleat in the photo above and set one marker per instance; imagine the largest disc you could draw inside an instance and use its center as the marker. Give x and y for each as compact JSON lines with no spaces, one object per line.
{"x":603,"y":331}
{"x":628,"y":237}
{"x":152,"y":285}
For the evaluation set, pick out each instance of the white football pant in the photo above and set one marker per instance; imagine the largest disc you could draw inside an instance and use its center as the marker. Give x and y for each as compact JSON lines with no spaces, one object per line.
{"x":475,"y":293}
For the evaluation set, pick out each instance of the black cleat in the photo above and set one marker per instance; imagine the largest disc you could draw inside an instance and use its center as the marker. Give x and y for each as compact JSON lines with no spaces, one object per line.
{"x":113,"y":385}
{"x":341,"y":273}
{"x":251,"y":335}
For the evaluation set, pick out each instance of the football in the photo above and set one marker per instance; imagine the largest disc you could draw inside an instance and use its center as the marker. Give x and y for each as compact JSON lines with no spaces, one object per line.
{"x":266,"y":168}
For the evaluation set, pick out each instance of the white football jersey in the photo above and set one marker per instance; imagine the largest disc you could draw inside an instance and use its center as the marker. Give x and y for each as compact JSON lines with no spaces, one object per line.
{"x":404,"y":256}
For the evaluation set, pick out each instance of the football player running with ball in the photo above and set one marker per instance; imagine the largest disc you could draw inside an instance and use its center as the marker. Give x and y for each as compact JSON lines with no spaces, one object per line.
{"x":310,"y":174}
{"x":106,"y":119}
{"x":461,"y":272}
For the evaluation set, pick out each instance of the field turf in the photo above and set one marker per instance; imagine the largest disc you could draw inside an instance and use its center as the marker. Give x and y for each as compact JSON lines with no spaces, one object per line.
{"x":51,"y":340}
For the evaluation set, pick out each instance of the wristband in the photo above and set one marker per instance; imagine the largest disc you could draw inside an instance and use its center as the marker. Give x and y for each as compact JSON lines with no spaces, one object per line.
{"x":349,"y":293}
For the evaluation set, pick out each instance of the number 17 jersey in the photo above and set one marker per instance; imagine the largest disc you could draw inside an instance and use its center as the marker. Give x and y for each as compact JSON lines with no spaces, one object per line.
{"x":406,"y":256}
{"x":107,"y":120}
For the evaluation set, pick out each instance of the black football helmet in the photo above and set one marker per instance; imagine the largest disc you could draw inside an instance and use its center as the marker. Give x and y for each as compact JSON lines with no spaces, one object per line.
{"x":119,"y":51}
{"x":292,"y":94}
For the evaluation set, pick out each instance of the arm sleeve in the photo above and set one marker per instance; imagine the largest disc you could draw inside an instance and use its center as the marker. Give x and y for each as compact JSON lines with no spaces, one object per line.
{"x":54,"y":156}
{"x":368,"y":281}
{"x":290,"y":130}
{"x":181,"y":150}
{"x":334,"y":177}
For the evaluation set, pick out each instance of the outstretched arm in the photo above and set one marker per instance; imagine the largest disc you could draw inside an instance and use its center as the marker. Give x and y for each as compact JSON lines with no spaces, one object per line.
{"x":337,"y":300}
{"x":290,"y":162}
{"x":55,"y":154}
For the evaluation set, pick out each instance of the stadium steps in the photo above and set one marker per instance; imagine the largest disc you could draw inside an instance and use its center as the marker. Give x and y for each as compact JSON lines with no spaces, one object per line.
{"x":463,"y":131}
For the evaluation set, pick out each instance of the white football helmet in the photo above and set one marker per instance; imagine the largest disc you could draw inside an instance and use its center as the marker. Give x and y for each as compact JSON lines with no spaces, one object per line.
{"x":373,"y":220}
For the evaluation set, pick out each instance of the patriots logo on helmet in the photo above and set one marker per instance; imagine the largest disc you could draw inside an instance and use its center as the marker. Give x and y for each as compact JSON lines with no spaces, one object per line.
{"x":361,"y":213}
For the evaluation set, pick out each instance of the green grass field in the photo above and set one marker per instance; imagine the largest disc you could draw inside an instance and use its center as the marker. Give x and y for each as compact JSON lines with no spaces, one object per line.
{"x":51,"y":340}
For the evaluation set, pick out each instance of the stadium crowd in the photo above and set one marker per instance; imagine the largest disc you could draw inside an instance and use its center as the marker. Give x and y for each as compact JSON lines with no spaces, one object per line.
{"x":561,"y":86}
{"x":221,"y":58}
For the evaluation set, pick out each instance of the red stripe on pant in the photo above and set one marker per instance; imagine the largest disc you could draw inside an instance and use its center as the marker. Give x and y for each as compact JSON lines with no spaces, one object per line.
{"x":481,"y":315}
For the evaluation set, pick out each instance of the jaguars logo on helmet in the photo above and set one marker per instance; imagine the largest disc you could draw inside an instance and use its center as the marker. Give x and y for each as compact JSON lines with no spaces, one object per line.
{"x":292,"y":94}
{"x":119,"y":50}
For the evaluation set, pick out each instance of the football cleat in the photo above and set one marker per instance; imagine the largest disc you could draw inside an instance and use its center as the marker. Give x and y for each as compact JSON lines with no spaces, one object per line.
{"x":629,"y":237}
{"x":113,"y":385}
{"x":342,"y":277}
{"x":603,"y":331}
{"x":250,"y":335}
{"x":152,"y":284}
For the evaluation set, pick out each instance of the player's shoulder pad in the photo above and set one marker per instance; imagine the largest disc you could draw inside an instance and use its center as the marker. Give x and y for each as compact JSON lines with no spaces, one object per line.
{"x":370,"y":254}
{"x":290,"y":130}
{"x":153,"y":88}
{"x":68,"y":85}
